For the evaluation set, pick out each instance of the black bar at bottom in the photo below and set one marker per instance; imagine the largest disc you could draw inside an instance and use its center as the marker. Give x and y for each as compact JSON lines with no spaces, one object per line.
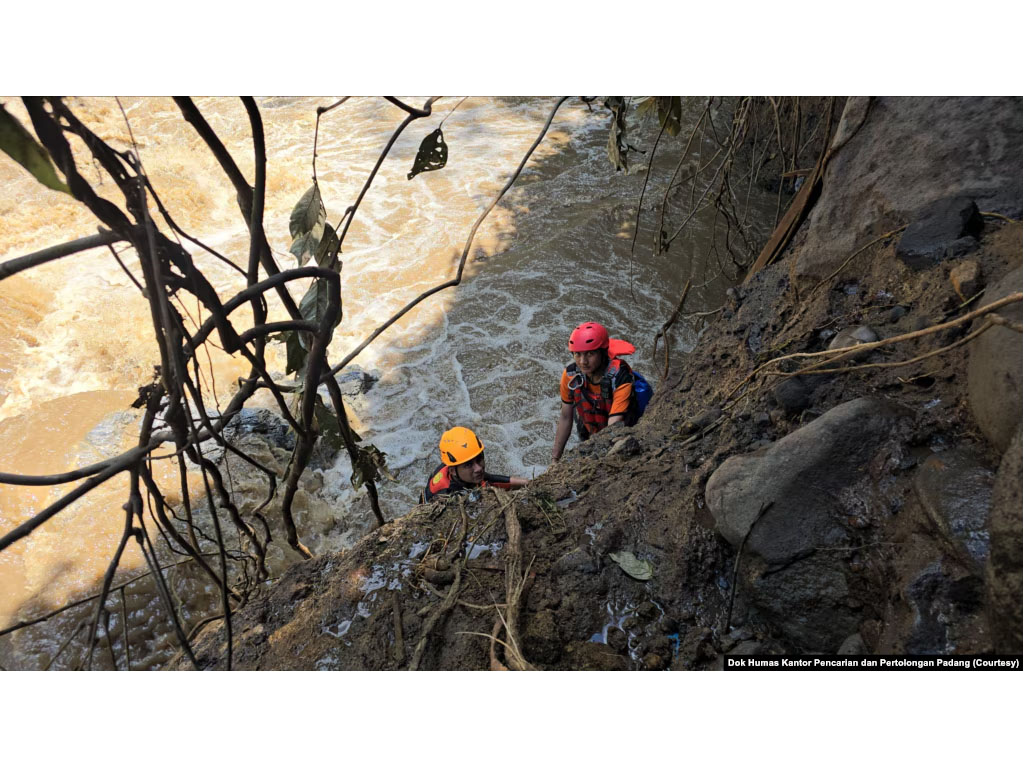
{"x":888,"y":663}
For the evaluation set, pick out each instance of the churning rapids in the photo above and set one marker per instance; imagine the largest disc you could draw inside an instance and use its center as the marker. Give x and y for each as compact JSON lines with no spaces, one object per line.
{"x":76,"y":340}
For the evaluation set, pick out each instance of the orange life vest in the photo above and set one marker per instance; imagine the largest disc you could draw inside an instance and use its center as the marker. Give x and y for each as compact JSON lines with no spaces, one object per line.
{"x":444,"y":480}
{"x":590,"y":410}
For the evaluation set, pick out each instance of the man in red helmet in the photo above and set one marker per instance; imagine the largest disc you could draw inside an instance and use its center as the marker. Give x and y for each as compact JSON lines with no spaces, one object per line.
{"x":596,"y":388}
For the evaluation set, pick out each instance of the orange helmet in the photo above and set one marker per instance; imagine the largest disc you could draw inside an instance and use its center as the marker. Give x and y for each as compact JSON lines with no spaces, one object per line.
{"x":459,"y":445}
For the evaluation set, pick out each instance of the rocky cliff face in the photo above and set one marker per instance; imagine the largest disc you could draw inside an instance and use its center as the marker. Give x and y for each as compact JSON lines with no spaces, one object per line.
{"x":874,"y":508}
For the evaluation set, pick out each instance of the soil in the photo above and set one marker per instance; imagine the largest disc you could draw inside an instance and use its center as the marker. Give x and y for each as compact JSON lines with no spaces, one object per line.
{"x":388,"y":602}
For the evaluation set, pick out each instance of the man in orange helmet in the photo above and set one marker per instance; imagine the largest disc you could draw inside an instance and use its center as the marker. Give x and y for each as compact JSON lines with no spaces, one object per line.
{"x":596,"y":388}
{"x":462,"y":467}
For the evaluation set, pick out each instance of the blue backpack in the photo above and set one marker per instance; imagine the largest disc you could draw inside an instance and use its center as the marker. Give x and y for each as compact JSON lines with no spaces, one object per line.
{"x":643,"y":391}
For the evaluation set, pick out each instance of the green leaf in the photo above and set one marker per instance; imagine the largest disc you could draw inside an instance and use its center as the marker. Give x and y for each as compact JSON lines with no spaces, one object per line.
{"x":314,"y":304}
{"x":641,"y":570}
{"x":327,"y":423}
{"x":370,"y":463}
{"x":308,"y":215}
{"x":302,"y":248}
{"x":296,"y":354}
{"x":23,"y":149}
{"x":432,"y":154}
{"x":327,"y":250}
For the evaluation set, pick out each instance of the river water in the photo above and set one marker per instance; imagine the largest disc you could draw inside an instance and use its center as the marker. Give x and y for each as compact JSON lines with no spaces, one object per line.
{"x":76,"y":341}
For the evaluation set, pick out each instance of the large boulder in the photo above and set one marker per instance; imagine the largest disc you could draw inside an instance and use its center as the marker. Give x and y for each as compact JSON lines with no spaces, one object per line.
{"x":1003,"y":574}
{"x":994,"y":369}
{"x":906,"y":154}
{"x":822,"y":481}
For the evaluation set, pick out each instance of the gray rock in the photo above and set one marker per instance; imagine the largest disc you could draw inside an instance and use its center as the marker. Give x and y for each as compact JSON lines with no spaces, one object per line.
{"x":618,"y":641}
{"x":747,"y":648}
{"x":352,"y":382}
{"x":851,"y":337}
{"x":1003,"y":573}
{"x":994,"y":369}
{"x":938,"y":596}
{"x":263,"y":423}
{"x":896,"y":313}
{"x":817,"y":480}
{"x":853,"y":646}
{"x":627,"y":446}
{"x":576,"y":560}
{"x":966,"y":279}
{"x":704,"y":419}
{"x":792,"y":395}
{"x":955,"y":492}
{"x":943,"y":228}
{"x":961,"y":146}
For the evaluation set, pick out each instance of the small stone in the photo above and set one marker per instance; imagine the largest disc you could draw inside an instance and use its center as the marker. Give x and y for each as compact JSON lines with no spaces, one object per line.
{"x":747,"y":648}
{"x":627,"y":446}
{"x":897,"y":313}
{"x":618,"y":640}
{"x":653,"y":661}
{"x":668,"y":625}
{"x":705,"y":419}
{"x":630,"y":623}
{"x":966,"y":279}
{"x":733,"y":298}
{"x":852,"y":337}
{"x":791,"y":395}
{"x":762,"y":419}
{"x":647,"y":610}
{"x":852,"y":646}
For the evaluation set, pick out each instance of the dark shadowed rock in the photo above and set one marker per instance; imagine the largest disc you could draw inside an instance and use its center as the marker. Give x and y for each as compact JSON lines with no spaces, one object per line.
{"x":263,"y":423}
{"x":943,"y":228}
{"x":955,"y":492}
{"x":896,"y":314}
{"x":1003,"y":574}
{"x":938,"y":595}
{"x":994,"y":369}
{"x":818,"y":478}
{"x":792,"y":395}
{"x":352,"y":381}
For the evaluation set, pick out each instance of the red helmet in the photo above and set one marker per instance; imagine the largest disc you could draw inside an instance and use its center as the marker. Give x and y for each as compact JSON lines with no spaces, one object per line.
{"x":588,"y":336}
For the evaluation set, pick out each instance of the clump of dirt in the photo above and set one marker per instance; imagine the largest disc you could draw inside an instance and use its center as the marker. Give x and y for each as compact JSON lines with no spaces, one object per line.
{"x":538,"y":578}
